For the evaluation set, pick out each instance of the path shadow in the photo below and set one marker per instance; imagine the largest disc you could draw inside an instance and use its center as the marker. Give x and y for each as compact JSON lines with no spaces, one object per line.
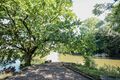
{"x":52,"y":71}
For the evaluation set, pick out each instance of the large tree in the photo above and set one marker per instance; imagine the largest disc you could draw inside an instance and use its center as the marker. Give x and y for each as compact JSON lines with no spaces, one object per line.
{"x":30,"y":27}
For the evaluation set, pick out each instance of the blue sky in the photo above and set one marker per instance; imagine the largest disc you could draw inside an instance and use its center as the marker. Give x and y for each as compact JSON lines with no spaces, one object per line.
{"x":83,"y":8}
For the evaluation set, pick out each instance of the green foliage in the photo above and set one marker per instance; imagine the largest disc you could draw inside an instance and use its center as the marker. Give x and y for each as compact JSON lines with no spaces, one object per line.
{"x":89,"y":62}
{"x":88,"y":35}
{"x":108,"y":42}
{"x":108,"y":36}
{"x":113,"y":17}
{"x":101,"y":8}
{"x":97,"y":73}
{"x":110,"y":71}
{"x":114,"y":31}
{"x":33,"y":27}
{"x":83,"y":40}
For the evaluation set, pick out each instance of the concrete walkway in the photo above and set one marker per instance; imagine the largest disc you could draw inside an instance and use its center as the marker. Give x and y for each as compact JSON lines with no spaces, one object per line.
{"x":52,"y":71}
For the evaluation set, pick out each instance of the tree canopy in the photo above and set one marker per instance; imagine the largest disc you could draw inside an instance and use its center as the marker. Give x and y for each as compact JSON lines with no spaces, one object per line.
{"x":108,"y":35}
{"x":30,"y":27}
{"x":34,"y":27}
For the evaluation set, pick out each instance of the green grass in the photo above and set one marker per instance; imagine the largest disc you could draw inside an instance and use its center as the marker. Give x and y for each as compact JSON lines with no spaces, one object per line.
{"x":38,"y":60}
{"x":105,"y":67}
{"x":96,"y":73}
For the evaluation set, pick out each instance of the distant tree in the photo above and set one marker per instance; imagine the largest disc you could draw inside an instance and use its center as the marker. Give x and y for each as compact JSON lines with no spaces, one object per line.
{"x":83,"y":41}
{"x":102,"y":8}
{"x":108,"y":37}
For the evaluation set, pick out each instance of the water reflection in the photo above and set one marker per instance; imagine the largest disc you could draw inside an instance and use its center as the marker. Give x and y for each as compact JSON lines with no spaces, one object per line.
{"x":15,"y":64}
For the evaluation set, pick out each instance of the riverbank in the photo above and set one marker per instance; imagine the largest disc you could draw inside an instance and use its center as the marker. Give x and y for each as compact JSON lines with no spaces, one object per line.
{"x":105,"y":73}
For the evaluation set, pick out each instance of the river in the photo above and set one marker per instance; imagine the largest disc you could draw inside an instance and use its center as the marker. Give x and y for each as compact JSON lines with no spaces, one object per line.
{"x":99,"y":61}
{"x":16,"y":64}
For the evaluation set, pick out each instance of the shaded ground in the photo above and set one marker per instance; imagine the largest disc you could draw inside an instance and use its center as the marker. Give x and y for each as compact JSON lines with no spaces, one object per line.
{"x":52,"y":71}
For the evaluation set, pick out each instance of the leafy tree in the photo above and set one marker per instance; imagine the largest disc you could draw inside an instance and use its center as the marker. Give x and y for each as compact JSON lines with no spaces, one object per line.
{"x":113,"y":19}
{"x":88,"y":40}
{"x":108,"y":36}
{"x":31,"y":27}
{"x":102,"y":8}
{"x":83,"y":41}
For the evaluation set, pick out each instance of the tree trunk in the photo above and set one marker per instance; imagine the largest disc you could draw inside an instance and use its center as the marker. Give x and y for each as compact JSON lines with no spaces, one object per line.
{"x":28,"y":59}
{"x":28,"y":56}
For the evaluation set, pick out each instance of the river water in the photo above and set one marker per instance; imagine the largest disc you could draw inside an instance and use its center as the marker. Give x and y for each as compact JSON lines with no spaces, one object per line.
{"x":53,"y":56}
{"x":16,"y":64}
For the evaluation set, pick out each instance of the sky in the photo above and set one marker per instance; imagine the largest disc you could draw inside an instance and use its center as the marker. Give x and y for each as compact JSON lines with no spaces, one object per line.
{"x":83,"y":8}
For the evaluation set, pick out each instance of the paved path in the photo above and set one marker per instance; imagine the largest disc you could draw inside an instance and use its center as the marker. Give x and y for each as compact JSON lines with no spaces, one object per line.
{"x":53,"y":71}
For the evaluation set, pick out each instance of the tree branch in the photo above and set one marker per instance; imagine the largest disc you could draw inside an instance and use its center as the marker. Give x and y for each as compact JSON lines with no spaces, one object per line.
{"x":28,"y":30}
{"x":7,"y":11}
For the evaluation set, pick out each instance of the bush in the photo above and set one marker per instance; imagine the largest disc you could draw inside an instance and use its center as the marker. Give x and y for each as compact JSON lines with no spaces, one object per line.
{"x":89,"y":62}
{"x":110,"y":71}
{"x":96,"y":73}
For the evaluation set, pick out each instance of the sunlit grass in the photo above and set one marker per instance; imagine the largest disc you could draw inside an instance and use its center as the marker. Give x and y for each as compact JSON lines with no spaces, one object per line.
{"x":80,"y":59}
{"x":4,"y":75}
{"x":71,"y":58}
{"x":38,"y":60}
